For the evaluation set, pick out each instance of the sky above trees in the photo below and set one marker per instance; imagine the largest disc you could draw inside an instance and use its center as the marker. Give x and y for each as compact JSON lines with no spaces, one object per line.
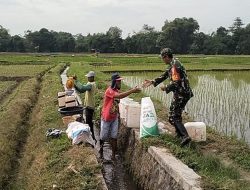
{"x":91,"y":16}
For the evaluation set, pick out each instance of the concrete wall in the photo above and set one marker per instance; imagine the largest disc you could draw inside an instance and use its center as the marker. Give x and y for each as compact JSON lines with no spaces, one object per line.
{"x":155,"y":168}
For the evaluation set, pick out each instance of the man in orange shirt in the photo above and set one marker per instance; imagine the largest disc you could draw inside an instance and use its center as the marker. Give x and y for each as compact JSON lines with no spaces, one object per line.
{"x":110,"y":111}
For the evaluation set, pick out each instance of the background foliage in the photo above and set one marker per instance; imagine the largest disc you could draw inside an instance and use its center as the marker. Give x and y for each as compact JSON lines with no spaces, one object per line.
{"x":181,"y":34}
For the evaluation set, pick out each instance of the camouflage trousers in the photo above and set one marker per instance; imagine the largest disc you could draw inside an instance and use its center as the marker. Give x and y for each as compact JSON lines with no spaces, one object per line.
{"x":175,"y":115}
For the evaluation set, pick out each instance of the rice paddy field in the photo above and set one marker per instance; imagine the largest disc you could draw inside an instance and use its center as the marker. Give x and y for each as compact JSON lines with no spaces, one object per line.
{"x":28,"y":91}
{"x":221,"y":99}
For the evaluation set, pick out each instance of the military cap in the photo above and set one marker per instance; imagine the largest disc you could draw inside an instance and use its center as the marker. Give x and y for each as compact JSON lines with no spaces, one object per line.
{"x":166,"y":52}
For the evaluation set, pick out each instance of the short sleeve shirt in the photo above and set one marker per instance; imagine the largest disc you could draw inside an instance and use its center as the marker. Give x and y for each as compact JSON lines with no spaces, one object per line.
{"x":110,"y":105}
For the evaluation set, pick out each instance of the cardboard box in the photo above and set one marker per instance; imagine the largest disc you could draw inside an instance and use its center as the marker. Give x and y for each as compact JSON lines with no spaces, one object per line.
{"x":70,"y":101}
{"x":61,"y":99}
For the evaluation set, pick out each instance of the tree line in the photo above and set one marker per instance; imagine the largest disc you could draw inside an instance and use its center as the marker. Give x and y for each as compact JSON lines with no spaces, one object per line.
{"x":181,"y":34}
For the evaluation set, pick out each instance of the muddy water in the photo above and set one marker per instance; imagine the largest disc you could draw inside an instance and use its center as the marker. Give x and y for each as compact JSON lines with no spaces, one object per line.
{"x":64,"y":76}
{"x":114,"y":173}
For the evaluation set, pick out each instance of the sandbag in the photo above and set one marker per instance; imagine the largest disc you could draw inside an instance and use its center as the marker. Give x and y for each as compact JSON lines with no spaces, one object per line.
{"x":148,"y":119}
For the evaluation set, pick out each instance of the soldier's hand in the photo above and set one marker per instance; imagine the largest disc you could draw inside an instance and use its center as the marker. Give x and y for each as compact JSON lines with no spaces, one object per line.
{"x":147,"y":83}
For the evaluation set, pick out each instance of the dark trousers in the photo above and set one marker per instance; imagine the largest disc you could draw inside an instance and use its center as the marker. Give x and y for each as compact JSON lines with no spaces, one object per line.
{"x":89,"y":112}
{"x":176,"y":108}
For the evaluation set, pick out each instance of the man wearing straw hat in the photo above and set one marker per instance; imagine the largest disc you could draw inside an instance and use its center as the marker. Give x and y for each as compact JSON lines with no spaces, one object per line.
{"x":89,"y":100}
{"x":182,"y":92}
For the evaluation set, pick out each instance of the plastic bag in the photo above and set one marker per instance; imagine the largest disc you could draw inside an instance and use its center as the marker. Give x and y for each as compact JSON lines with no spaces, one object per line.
{"x":79,"y":132}
{"x":54,"y":133}
{"x":148,"y":119}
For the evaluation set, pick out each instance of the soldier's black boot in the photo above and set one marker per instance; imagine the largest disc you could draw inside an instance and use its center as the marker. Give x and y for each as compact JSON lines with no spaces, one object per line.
{"x":183,"y":133}
{"x":185,"y":141}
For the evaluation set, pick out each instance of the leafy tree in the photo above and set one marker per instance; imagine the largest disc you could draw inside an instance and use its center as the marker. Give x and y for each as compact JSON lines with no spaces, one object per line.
{"x":16,"y":44}
{"x":237,"y":31}
{"x":82,"y":43}
{"x":244,"y":40}
{"x":130,"y":44}
{"x":65,"y":42}
{"x":178,"y":34}
{"x":101,"y":42}
{"x":181,"y":35}
{"x":198,"y":45}
{"x":237,"y":25}
{"x":143,"y":42}
{"x":222,"y":41}
{"x":115,"y":33}
{"x":4,"y":39}
{"x":42,"y":41}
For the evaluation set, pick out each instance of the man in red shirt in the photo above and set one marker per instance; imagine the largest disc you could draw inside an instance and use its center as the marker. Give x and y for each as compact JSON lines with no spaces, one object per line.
{"x":110,"y":113}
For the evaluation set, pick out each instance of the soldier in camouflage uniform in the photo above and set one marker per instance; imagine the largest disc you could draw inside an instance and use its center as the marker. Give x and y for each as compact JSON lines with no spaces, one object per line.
{"x":182,"y":92}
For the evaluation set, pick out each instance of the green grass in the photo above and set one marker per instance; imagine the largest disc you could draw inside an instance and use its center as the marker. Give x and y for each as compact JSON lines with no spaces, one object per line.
{"x":22,"y":59}
{"x":215,"y":175}
{"x":22,"y":70}
{"x":6,"y":87}
{"x":5,"y":84}
{"x":46,"y":161}
{"x":11,"y":130}
{"x":230,"y":147}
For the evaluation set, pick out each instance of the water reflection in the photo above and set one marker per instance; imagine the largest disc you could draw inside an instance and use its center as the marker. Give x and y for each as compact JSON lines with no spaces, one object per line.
{"x":221,"y":99}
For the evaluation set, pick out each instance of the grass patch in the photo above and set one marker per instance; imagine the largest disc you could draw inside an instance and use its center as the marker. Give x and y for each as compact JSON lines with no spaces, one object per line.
{"x":22,"y":70}
{"x":49,"y":162}
{"x":6,"y":88}
{"x":12,"y":133}
{"x":229,"y":147}
{"x":214,"y":174}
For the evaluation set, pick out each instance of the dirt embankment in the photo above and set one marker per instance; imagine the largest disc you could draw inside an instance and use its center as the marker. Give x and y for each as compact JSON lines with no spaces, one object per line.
{"x":13,"y":133}
{"x":17,"y":103}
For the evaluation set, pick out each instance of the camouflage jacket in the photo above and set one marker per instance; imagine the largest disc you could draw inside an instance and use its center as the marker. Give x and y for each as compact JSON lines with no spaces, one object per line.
{"x":178,"y":85}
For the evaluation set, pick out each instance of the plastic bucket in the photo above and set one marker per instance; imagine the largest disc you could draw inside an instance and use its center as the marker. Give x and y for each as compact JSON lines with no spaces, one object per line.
{"x":196,"y":130}
{"x":69,"y":111}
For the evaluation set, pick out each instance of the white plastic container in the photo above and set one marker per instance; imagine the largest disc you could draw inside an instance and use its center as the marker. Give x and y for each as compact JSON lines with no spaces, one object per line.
{"x":196,"y":130}
{"x":123,"y":106}
{"x":133,"y":115}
